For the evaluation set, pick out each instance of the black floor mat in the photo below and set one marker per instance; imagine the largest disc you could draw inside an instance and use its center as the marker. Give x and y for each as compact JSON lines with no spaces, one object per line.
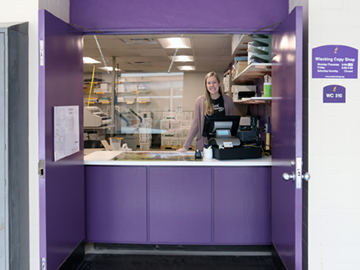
{"x":162,"y":262}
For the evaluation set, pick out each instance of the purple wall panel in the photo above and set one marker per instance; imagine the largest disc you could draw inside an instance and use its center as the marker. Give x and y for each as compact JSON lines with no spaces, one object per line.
{"x":171,"y":16}
{"x":62,"y":205}
{"x":180,"y":205}
{"x":242,"y":206}
{"x":116,"y":204}
{"x":287,"y":138}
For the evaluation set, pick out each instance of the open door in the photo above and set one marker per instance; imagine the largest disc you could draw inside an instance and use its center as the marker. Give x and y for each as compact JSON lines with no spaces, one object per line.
{"x":286,"y":116}
{"x":61,"y":183}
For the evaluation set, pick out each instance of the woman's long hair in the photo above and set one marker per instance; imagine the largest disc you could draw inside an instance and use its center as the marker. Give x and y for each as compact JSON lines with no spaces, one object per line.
{"x":209,"y":110}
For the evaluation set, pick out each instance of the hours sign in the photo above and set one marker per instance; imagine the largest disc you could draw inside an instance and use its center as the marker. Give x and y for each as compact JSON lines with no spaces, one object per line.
{"x":334,"y":62}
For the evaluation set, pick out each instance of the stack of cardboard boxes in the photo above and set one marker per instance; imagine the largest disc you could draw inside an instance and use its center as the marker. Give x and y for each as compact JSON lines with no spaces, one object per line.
{"x":175,"y":128}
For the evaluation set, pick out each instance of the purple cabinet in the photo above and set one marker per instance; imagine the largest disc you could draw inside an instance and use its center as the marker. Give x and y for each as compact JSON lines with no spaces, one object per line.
{"x":180,"y":205}
{"x":116,"y":204}
{"x":242,"y":206}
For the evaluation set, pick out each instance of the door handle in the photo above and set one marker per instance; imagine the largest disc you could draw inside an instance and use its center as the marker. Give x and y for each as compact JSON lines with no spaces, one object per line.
{"x":287,"y":177}
{"x":306,"y":176}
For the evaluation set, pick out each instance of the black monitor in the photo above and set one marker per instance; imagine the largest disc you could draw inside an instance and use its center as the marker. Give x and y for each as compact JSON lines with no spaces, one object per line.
{"x":221,"y":123}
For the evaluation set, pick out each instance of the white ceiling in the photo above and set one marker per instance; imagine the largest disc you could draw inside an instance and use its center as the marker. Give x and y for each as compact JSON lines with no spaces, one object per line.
{"x":211,"y":52}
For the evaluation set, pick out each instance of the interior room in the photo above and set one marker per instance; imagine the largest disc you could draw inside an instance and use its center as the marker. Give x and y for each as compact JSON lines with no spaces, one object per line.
{"x":156,"y":83}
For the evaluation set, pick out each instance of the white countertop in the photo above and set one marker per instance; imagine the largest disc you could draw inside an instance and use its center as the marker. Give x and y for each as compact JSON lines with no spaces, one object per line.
{"x":104,"y":158}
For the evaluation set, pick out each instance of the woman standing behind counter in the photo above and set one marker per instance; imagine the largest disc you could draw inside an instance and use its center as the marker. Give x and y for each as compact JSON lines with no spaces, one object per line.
{"x":212,"y":103}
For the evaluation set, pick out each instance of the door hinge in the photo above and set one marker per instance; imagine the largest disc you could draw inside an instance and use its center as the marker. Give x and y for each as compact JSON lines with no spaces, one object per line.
{"x":42,"y":56}
{"x":41,"y":168}
{"x":43,"y":264}
{"x":298,"y":174}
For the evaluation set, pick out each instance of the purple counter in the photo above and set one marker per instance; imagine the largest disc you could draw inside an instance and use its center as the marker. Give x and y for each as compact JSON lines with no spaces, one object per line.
{"x":188,"y":205}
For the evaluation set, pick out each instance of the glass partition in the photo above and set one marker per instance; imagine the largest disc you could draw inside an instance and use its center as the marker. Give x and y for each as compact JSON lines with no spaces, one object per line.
{"x":148,"y":111}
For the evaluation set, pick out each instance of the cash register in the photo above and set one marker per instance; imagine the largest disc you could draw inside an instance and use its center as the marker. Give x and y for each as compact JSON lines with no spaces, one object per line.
{"x":222,"y":134}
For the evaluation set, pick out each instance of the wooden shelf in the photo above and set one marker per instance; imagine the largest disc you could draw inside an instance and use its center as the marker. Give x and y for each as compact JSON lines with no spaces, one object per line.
{"x":253,"y":71}
{"x":240,"y":44}
{"x":102,"y":127}
{"x":134,"y":92}
{"x":134,"y":102}
{"x":96,"y":93}
{"x":92,"y":83}
{"x":98,"y":102}
{"x":254,"y":101}
{"x":149,"y":79}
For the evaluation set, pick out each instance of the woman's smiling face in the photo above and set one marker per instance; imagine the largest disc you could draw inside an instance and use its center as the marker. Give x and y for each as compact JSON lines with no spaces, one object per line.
{"x":212,"y":85}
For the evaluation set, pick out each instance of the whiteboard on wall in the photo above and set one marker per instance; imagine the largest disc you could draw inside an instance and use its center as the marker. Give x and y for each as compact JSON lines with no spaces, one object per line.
{"x":66,"y":131}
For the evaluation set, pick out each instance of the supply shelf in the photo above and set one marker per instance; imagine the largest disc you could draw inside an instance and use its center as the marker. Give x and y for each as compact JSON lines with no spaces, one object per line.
{"x":254,"y":100}
{"x":253,"y":71}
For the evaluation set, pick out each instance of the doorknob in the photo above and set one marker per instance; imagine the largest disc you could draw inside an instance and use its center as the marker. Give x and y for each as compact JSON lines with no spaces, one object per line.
{"x":298,"y":176}
{"x":306,"y":176}
{"x":287,"y":176}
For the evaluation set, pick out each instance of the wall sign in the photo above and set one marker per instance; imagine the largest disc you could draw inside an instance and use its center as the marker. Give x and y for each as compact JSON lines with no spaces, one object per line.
{"x":335,"y":62}
{"x":66,"y":131}
{"x":334,"y":94}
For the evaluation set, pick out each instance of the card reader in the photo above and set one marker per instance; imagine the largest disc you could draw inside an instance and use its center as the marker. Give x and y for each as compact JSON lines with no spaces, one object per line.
{"x":198,"y":155}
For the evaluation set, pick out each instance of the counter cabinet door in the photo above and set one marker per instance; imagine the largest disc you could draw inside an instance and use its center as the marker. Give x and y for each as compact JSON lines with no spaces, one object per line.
{"x":116,"y":204}
{"x":180,"y":205}
{"x":242,"y":208}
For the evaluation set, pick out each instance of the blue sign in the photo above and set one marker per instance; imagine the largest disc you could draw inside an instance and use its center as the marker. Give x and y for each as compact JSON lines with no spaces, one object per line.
{"x":334,"y":94}
{"x":335,"y":62}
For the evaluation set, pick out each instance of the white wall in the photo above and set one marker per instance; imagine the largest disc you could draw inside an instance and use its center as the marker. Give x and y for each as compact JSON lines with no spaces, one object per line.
{"x":59,"y":8}
{"x":193,"y":88}
{"x":334,"y":201}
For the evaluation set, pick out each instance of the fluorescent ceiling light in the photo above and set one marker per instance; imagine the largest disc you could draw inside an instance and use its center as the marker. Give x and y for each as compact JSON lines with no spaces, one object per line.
{"x":89,"y":60}
{"x":183,"y":58}
{"x":175,"y":43}
{"x":186,"y":67}
{"x":131,"y":41}
{"x":109,"y":68}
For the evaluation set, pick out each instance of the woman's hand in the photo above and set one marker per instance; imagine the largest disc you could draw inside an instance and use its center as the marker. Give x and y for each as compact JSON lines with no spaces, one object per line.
{"x":181,"y":150}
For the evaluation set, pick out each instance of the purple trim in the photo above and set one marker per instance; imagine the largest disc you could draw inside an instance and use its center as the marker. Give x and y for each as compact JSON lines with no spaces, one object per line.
{"x":177,"y":16}
{"x":287,"y":138}
{"x":41,"y":112}
{"x":299,"y":130}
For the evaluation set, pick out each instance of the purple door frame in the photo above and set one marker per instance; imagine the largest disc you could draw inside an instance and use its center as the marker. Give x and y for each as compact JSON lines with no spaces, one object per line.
{"x":287,"y":139}
{"x":61,"y":190}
